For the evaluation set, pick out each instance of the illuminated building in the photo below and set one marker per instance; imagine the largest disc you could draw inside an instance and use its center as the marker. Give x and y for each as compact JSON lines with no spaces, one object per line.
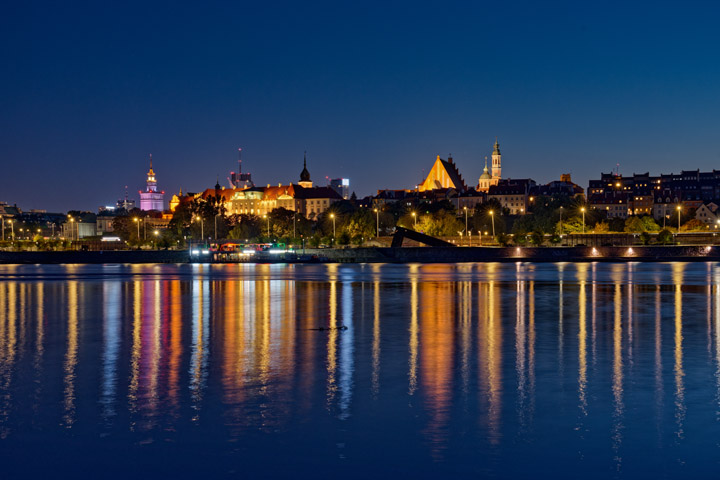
{"x":302,"y":197}
{"x":489,"y":179}
{"x":443,"y":174}
{"x":151,"y":199}
{"x":239,"y":179}
{"x":513,"y":194}
{"x":341,"y":186}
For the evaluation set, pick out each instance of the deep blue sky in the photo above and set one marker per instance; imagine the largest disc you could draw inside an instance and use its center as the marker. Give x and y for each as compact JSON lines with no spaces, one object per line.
{"x":372,"y":90}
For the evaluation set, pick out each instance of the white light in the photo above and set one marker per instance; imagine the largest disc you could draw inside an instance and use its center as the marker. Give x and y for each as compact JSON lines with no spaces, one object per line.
{"x":249,"y":252}
{"x":346,"y":182}
{"x":276,"y":250}
{"x":111,"y":239}
{"x":194,"y":252}
{"x":205,"y":252}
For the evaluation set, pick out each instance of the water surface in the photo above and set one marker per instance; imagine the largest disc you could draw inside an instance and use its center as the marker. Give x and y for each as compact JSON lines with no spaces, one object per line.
{"x":312,"y":371}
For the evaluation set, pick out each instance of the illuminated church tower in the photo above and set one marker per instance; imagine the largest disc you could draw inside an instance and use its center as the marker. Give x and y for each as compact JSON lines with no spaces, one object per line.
{"x":151,"y":199}
{"x":496,"y":169}
{"x":487,"y":180}
{"x":305,"y":175}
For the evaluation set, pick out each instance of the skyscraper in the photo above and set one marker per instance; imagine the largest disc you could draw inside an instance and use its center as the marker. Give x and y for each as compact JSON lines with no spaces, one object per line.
{"x":151,"y":199}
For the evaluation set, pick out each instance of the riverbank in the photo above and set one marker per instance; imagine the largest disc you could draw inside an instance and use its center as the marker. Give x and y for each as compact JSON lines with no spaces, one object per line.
{"x":514,"y":254}
{"x":686,"y":253}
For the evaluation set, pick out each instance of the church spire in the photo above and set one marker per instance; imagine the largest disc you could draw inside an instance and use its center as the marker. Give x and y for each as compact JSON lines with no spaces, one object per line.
{"x":305,"y":175}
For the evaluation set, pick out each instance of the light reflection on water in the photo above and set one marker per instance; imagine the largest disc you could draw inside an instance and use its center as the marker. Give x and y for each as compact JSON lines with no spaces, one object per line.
{"x":502,"y":369}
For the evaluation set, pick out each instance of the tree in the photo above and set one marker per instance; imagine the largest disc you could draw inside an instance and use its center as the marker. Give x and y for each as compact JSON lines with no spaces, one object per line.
{"x":634,"y":225}
{"x":693,"y":225}
{"x":601,"y":227}
{"x":248,"y":227}
{"x":649,"y":224}
{"x":537,"y":238}
{"x":665,"y":237}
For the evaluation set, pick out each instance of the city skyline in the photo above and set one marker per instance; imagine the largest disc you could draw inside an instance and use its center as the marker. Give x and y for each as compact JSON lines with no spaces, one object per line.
{"x":373,"y":95}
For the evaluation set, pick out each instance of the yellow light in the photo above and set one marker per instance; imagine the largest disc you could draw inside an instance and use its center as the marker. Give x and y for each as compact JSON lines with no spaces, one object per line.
{"x":679,"y":208}
{"x":582,"y":209}
{"x":491,"y":212}
{"x":332,"y":215}
{"x":617,"y":184}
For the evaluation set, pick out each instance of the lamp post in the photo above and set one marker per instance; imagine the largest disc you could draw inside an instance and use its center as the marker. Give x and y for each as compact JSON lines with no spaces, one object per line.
{"x":332,"y":215}
{"x":561,"y":210}
{"x":136,"y":220}
{"x":679,"y":209}
{"x":414,"y":215}
{"x":202,"y":227}
{"x":268,"y":225}
{"x":72,"y":222}
{"x":583,"y":215}
{"x":492,"y":217}
{"x":466,"y":221}
{"x":377,"y":221}
{"x":156,"y":236}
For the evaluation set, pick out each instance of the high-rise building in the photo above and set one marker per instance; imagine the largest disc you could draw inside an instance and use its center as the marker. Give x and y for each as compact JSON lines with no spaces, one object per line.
{"x":151,"y":199}
{"x":341,"y":186}
{"x":239,"y":179}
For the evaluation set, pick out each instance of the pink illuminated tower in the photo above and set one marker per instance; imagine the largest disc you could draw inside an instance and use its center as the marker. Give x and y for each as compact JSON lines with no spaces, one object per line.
{"x":151,"y":199}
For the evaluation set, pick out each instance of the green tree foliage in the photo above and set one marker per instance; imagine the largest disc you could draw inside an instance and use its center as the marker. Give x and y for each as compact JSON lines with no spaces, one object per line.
{"x":247,"y":227}
{"x":442,"y":223}
{"x":650,"y":224}
{"x":634,"y":225}
{"x":693,"y":225}
{"x":537,"y":238}
{"x":665,"y":237}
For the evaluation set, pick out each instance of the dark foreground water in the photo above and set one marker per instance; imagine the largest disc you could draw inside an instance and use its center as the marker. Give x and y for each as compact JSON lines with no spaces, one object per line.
{"x":471,"y":370}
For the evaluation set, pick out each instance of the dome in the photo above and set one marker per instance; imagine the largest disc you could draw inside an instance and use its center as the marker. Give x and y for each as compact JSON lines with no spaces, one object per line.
{"x":305,"y":175}
{"x":485,"y":175}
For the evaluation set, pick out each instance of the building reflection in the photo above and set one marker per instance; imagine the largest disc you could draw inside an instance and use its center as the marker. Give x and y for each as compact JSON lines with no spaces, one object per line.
{"x":474,"y":342}
{"x":677,"y":271}
{"x":71,"y":357}
{"x":437,"y":338}
{"x":490,"y":356}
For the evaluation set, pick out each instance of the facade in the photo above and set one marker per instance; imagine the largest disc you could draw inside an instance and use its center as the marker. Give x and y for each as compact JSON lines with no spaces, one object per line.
{"x":151,"y":199}
{"x":562,"y":188}
{"x":443,"y":174}
{"x":708,"y":214}
{"x":513,"y":194}
{"x":341,"y":186}
{"x":302,"y":198}
{"x":614,"y":203}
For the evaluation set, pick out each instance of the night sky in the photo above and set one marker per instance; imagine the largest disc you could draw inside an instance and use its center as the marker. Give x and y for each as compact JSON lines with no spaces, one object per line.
{"x":372,"y":90}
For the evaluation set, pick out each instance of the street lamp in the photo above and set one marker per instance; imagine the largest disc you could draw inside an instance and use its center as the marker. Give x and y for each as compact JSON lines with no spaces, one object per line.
{"x":156,"y":235}
{"x":136,"y":220}
{"x":466,"y":220}
{"x":72,"y":221}
{"x":561,"y":210}
{"x":492,"y":217}
{"x":414,"y":215}
{"x":268,"y":225}
{"x":202,"y":227}
{"x":679,"y":209}
{"x":332,"y":215}
{"x":583,"y":215}
{"x":377,"y":221}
